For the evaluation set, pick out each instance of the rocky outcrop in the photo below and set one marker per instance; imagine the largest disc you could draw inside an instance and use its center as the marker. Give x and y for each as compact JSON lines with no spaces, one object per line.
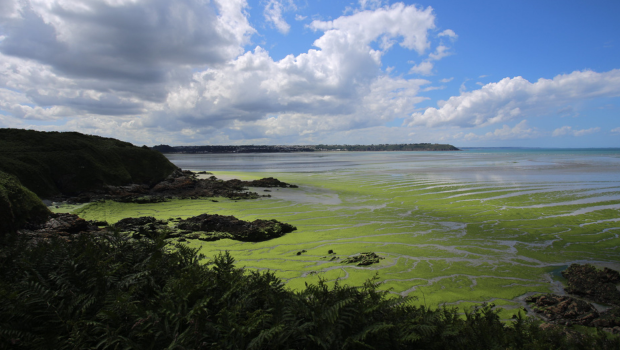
{"x":596,"y":285}
{"x":205,"y":227}
{"x":180,"y":184}
{"x":363,"y":259}
{"x":564,"y":309}
{"x":66,"y":226}
{"x":584,"y":281}
{"x":268,"y":182}
{"x":247,"y":231}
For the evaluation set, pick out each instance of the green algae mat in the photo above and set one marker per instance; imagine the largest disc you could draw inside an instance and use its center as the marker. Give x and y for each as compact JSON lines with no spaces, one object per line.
{"x":443,"y":242}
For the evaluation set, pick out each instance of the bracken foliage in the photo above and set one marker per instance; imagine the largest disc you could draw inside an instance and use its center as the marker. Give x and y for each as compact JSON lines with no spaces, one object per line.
{"x":112,"y":292}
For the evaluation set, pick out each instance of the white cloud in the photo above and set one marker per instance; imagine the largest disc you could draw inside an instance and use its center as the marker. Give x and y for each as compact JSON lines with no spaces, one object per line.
{"x":442,"y":51}
{"x":616,"y":130}
{"x":370,"y":4}
{"x":514,"y":97}
{"x":446,"y":80}
{"x":299,"y":17}
{"x":178,"y":71}
{"x":449,"y":33}
{"x":424,"y":68}
{"x":567,"y":130}
{"x":133,"y":47}
{"x":562,"y":131}
{"x":519,"y":131}
{"x":273,"y":13}
{"x":387,"y":23}
{"x":337,"y":86}
{"x":586,"y":131}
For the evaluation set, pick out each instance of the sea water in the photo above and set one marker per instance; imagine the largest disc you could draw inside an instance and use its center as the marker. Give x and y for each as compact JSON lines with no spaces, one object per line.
{"x":494,"y":164}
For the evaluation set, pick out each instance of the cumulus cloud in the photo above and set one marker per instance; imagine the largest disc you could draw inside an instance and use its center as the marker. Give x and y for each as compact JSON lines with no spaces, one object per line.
{"x":163,"y":70}
{"x":273,"y":13}
{"x":446,"y":80}
{"x":337,"y":86}
{"x":424,"y":68}
{"x":616,"y":130}
{"x":386,"y":23}
{"x":370,"y":4}
{"x":125,"y":40}
{"x":519,"y":131}
{"x":448,"y":33}
{"x":511,"y":98}
{"x":567,"y":130}
{"x":113,"y":58}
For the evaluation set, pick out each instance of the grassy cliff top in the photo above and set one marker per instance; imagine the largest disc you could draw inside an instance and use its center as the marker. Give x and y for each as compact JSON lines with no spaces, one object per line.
{"x":18,"y":205}
{"x":53,"y":163}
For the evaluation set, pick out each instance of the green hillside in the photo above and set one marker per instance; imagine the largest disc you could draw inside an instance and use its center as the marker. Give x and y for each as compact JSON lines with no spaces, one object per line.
{"x":18,"y":205}
{"x":53,"y":163}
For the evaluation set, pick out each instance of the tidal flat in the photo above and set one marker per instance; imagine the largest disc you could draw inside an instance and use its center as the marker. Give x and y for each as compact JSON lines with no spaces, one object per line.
{"x":455,"y":228}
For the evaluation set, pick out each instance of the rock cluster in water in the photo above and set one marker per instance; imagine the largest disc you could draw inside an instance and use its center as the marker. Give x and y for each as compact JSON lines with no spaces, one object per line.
{"x":597,"y":285}
{"x":587,"y":282}
{"x":205,"y":227}
{"x":363,"y":259}
{"x":180,"y":184}
{"x":65,"y":226}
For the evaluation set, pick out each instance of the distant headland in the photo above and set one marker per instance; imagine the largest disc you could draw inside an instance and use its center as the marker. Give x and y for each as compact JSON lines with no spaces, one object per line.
{"x":304,"y":148}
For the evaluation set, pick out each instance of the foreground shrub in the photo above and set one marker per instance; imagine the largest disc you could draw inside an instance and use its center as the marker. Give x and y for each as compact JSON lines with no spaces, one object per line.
{"x":116,"y":293}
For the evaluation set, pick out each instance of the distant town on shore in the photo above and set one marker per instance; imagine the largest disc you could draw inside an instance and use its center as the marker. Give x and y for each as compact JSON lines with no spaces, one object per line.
{"x":304,"y":148}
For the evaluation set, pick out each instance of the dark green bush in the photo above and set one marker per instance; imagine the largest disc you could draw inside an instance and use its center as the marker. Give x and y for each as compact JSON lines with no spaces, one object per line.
{"x":111,"y":292}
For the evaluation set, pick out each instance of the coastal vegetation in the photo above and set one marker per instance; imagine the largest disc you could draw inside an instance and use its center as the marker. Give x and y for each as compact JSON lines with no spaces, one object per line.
{"x":18,"y":205}
{"x":112,"y":292}
{"x":353,"y":259}
{"x":68,"y":163}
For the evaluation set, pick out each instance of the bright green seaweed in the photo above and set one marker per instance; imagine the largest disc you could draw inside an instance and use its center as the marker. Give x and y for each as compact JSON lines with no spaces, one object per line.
{"x":454,"y":243}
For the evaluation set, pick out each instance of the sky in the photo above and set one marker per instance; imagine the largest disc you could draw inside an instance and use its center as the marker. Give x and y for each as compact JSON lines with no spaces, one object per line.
{"x":200,"y":72}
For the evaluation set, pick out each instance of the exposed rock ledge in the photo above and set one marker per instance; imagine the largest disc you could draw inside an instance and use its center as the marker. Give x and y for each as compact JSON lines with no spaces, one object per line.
{"x":205,"y":227}
{"x":587,"y":282}
{"x":180,"y":184}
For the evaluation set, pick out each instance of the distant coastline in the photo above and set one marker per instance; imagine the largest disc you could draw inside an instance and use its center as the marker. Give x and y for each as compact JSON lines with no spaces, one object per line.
{"x":304,"y":148}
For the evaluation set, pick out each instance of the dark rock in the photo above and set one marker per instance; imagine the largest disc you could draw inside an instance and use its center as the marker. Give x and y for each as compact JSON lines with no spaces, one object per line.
{"x":591,"y":283}
{"x":60,"y":225}
{"x":145,"y":225}
{"x":268,"y":182}
{"x":608,"y":318}
{"x":363,"y":259}
{"x":564,"y":309}
{"x":255,"y":231}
